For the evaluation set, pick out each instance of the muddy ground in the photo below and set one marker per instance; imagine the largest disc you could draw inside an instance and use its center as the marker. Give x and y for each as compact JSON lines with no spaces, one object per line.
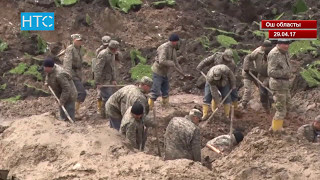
{"x":31,"y":153}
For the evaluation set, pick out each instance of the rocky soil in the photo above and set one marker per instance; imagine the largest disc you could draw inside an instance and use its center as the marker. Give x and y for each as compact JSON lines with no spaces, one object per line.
{"x":38,"y":146}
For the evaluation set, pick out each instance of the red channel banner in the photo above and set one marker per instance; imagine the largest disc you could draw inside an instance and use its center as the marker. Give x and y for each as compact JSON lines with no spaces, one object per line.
{"x":288,"y":24}
{"x":293,"y":34}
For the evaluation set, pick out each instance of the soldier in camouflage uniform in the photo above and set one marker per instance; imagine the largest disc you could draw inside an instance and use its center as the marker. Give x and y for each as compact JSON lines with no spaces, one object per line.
{"x":166,"y":58}
{"x":62,"y":85}
{"x":72,"y":63}
{"x":225,"y":58}
{"x":120,"y":101}
{"x":256,"y":63}
{"x":132,"y":125}
{"x":311,"y":132}
{"x":105,"y":42}
{"x":182,"y":137}
{"x":279,"y":71}
{"x":106,"y":74}
{"x":222,"y":79}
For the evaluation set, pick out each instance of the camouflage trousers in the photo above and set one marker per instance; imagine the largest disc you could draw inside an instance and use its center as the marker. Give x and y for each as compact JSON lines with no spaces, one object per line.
{"x":248,"y":86}
{"x":282,"y":100}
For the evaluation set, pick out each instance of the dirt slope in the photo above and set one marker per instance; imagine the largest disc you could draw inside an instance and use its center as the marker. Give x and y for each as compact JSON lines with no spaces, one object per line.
{"x":40,"y":147}
{"x":265,"y":156}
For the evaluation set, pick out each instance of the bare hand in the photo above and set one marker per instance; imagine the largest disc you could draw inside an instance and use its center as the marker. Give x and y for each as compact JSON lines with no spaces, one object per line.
{"x":114,"y":83}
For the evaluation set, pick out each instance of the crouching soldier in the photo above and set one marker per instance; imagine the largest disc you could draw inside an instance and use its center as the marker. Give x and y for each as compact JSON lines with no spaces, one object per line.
{"x":215,"y":147}
{"x":222,"y":79}
{"x":225,"y":58}
{"x":133,"y":125}
{"x":62,"y":85}
{"x":182,"y":137}
{"x":311,"y":132}
{"x":120,"y":101}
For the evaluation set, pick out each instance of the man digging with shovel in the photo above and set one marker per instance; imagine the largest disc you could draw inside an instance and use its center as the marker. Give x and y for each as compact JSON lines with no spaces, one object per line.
{"x":221,"y":79}
{"x":225,"y":58}
{"x":165,"y":59}
{"x":60,"y":82}
{"x":255,"y":65}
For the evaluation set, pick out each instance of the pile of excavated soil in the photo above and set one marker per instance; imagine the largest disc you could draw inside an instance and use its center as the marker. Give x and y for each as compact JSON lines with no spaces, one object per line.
{"x":40,"y":147}
{"x":262,"y":155}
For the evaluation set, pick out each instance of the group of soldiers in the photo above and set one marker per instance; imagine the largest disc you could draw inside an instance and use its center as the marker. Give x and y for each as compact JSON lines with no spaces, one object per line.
{"x":128,"y":108}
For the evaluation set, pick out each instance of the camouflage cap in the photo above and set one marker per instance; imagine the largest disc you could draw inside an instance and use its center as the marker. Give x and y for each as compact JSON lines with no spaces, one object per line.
{"x":195,"y":112}
{"x":105,"y":40}
{"x":113,"y":44}
{"x":266,"y":43}
{"x":76,"y":37}
{"x":317,"y":118}
{"x":283,"y":41}
{"x":146,"y":80}
{"x":217,"y":74}
{"x":228,"y":54}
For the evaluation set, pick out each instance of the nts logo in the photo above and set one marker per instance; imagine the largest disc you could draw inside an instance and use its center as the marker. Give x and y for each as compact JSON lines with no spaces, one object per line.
{"x":37,"y":21}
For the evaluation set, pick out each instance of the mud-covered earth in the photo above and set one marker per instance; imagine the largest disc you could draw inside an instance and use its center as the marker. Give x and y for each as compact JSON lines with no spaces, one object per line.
{"x":35,"y":145}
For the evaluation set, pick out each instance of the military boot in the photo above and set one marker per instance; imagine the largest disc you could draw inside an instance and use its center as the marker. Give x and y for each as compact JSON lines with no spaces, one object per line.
{"x":205,"y":111}
{"x":277,"y":125}
{"x":235,"y":105}
{"x":227,"y":110}
{"x":99,"y":105}
{"x":165,"y":101}
{"x":77,"y":107}
{"x":213,"y":105}
{"x":151,"y":103}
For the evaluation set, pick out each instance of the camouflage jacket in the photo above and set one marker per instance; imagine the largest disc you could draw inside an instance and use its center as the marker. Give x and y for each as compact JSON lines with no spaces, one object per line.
{"x":118,"y":58}
{"x":256,"y":61}
{"x":105,"y":67}
{"x":166,"y":58}
{"x":227,"y":78}
{"x":120,"y":101}
{"x":72,"y":62}
{"x":102,"y":47}
{"x":133,"y":129}
{"x":279,"y":69}
{"x":182,"y":140}
{"x":216,"y":59}
{"x":62,"y":84}
{"x":223,"y":142}
{"x":308,"y":132}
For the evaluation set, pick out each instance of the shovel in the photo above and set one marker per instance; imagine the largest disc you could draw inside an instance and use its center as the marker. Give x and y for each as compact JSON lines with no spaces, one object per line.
{"x":63,"y":108}
{"x":223,"y":100}
{"x":185,"y":76}
{"x":113,"y":85}
{"x":254,"y":77}
{"x":156,"y":131}
{"x":231,"y":125}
